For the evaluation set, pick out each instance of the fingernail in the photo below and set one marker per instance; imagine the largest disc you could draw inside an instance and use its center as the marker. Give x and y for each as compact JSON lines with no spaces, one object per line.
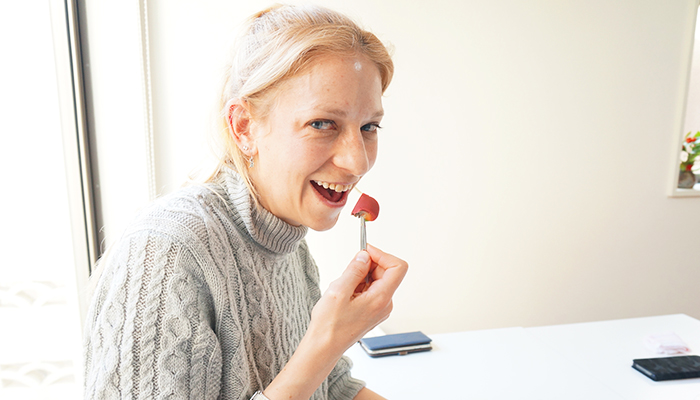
{"x":362,"y":256}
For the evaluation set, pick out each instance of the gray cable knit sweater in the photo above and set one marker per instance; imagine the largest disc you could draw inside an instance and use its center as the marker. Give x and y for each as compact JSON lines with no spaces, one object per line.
{"x":204,"y":297}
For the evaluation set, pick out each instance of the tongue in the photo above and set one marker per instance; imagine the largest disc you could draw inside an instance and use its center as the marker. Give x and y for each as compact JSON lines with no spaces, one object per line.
{"x":333,"y":195}
{"x":328,"y":194}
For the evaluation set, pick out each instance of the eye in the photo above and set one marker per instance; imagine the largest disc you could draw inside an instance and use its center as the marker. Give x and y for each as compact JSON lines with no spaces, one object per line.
{"x":322,"y":125}
{"x":373,"y":128}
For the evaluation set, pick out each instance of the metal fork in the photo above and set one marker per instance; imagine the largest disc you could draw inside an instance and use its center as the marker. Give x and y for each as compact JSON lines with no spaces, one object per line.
{"x":363,"y":237}
{"x":363,"y":233}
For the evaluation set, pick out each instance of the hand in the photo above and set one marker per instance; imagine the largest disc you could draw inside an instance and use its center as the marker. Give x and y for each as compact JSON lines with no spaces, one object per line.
{"x":350,"y":308}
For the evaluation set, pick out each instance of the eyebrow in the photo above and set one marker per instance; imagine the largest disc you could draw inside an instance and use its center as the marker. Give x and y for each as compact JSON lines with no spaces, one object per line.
{"x":342,"y":113}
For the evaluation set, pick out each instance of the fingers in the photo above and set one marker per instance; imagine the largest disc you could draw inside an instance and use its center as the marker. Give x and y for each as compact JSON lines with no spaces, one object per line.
{"x":350,"y":306}
{"x":354,"y":274}
{"x":385,"y":260}
{"x":389,"y":271}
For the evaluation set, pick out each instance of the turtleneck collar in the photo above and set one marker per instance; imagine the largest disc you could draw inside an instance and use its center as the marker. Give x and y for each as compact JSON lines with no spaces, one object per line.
{"x":266,"y":229}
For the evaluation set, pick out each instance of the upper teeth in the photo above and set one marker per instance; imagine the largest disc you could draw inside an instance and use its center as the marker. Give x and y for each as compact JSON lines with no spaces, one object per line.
{"x":333,"y":186}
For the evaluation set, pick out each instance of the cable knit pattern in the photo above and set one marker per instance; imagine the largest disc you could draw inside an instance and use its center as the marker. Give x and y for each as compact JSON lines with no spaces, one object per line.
{"x":204,"y":297}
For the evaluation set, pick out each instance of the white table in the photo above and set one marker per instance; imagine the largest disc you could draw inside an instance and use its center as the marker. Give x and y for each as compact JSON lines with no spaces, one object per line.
{"x":577,"y":361}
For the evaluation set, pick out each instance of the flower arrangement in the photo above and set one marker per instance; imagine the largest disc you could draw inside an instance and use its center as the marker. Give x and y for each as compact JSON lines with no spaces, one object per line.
{"x":690,"y":151}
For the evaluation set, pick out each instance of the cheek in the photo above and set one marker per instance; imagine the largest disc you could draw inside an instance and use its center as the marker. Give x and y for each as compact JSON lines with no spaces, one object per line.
{"x":371,"y":149}
{"x":312,"y":156}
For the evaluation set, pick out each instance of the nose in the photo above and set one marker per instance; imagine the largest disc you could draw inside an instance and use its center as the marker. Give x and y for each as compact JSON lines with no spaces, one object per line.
{"x":353,"y":153}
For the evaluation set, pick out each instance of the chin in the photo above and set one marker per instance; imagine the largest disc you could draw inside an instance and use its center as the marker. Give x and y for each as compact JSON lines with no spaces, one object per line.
{"x":323,"y":225}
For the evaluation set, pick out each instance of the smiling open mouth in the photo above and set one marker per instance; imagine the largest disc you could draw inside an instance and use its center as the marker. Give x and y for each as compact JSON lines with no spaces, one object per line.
{"x":331,"y":191}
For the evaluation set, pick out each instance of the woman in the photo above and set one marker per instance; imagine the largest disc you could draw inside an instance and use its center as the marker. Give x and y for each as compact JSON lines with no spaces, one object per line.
{"x":212,"y":292}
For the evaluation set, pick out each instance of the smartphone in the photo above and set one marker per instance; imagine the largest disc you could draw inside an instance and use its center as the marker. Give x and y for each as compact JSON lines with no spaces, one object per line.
{"x":668,"y":368}
{"x":396,"y":344}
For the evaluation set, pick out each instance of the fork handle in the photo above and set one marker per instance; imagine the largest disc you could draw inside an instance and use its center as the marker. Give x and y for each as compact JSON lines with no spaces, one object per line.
{"x":363,"y":234}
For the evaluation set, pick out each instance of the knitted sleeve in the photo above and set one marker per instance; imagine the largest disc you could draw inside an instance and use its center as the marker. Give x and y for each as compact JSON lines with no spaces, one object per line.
{"x":149,"y":332}
{"x":341,"y":385}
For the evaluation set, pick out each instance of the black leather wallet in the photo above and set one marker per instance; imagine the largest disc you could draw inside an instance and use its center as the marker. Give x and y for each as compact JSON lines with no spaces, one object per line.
{"x":667,"y":368}
{"x":396,"y":344}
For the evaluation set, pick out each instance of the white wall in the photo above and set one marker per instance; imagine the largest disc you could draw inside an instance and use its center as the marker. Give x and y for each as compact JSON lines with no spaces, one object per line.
{"x":692,"y":117}
{"x":525,"y":161}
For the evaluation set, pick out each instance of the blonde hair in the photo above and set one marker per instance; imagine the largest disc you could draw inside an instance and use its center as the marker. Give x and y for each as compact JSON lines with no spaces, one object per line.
{"x":279,"y":43}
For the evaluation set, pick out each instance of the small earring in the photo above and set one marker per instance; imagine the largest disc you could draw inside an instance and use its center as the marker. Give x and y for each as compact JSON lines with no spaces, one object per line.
{"x":245,"y":148}
{"x":250,"y":162}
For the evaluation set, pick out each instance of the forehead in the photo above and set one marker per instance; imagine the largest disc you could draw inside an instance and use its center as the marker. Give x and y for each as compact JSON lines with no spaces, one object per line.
{"x":334,"y":81}
{"x":359,"y":63}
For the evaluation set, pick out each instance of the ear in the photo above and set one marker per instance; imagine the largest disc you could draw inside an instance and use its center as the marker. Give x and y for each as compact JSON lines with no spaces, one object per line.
{"x":239,"y":122}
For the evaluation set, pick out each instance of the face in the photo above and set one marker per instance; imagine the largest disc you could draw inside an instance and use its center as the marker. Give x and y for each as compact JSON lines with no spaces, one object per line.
{"x":318,"y":141}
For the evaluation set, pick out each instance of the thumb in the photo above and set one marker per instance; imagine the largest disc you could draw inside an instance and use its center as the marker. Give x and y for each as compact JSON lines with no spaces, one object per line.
{"x":355,"y":272}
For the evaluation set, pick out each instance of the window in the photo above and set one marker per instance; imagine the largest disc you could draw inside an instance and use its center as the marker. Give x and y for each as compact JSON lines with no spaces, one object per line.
{"x":682,"y":180}
{"x":40,"y":343}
